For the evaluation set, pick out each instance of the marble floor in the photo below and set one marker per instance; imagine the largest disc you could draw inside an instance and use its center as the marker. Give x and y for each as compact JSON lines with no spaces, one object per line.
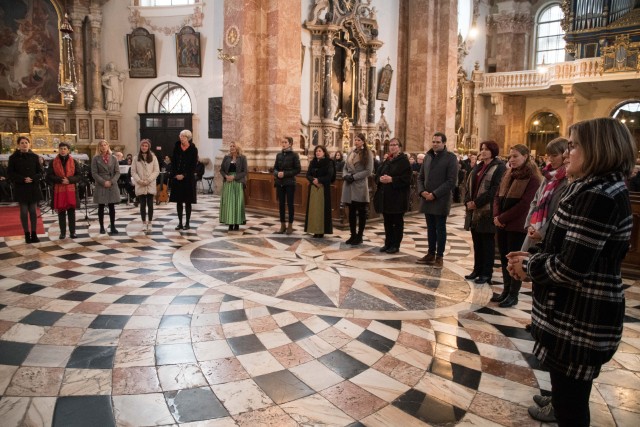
{"x":207,"y":327}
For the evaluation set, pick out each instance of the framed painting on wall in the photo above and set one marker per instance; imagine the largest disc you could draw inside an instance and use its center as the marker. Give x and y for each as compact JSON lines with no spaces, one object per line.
{"x":98,"y":128}
{"x":141,"y":50}
{"x":83,"y":128}
{"x":113,"y":129}
{"x":188,"y":53}
{"x":384,"y":83}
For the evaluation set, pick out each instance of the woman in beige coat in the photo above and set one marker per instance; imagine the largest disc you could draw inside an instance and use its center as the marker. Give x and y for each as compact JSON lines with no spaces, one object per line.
{"x":144,"y":171}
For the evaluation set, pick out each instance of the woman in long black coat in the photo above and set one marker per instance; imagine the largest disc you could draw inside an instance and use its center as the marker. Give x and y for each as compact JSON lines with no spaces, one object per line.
{"x":394,"y":179}
{"x":25,"y":172}
{"x":183,"y":181}
{"x":321,"y":173}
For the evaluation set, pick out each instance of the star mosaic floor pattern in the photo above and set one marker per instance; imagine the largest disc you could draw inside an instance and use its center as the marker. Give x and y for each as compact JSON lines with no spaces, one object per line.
{"x":207,"y":327}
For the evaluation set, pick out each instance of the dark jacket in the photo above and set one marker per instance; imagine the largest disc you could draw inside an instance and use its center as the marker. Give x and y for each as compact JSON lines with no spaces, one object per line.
{"x":578,"y":296}
{"x":21,"y":166}
{"x":395,"y":195}
{"x":480,"y":219}
{"x":241,"y":168}
{"x":287,"y":161}
{"x":324,"y":170}
{"x":184,"y":163}
{"x":512,"y":211}
{"x":54,"y":179}
{"x":438,"y":175}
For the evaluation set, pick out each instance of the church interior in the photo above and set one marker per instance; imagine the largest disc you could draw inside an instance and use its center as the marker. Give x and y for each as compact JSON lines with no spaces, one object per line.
{"x":211,"y":327}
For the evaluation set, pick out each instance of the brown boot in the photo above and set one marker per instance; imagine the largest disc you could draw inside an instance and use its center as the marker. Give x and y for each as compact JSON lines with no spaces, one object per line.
{"x":428,"y":259}
{"x":283,"y":228}
{"x":438,"y":262}
{"x":290,"y":228}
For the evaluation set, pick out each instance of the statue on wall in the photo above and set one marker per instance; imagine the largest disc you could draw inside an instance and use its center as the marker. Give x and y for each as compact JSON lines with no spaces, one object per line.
{"x":362,"y":109}
{"x":113,"y":83}
{"x":334,"y":105}
{"x":349,"y":50}
{"x":317,"y":10}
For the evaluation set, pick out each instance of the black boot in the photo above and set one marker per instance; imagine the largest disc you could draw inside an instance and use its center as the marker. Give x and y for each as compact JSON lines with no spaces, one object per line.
{"x":505,"y":291}
{"x":113,"y":230}
{"x":512,"y":299}
{"x":34,"y":237}
{"x":62,"y":220}
{"x":27,"y":237}
{"x":72,"y":223}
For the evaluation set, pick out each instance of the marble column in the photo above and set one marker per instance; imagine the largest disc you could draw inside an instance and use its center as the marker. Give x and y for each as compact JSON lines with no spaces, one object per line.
{"x":96,"y":83}
{"x":570,"y":112}
{"x":80,"y":101}
{"x":329,"y":52}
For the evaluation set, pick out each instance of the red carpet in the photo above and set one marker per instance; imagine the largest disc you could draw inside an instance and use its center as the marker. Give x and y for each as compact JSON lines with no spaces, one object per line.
{"x":10,"y":222}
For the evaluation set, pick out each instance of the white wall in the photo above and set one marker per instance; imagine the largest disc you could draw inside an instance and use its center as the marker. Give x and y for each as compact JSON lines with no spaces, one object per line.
{"x":115,"y":26}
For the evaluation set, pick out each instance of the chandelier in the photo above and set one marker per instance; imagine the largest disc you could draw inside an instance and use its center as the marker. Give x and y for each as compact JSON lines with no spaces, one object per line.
{"x":67,"y":81}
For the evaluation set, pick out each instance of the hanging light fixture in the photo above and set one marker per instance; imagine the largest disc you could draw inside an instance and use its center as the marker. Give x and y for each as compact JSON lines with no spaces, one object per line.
{"x":67,"y":80}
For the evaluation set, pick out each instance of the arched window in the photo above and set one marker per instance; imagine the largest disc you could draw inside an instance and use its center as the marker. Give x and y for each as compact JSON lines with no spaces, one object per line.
{"x":549,"y":36}
{"x":628,"y":112}
{"x":168,"y":97}
{"x":544,"y":127}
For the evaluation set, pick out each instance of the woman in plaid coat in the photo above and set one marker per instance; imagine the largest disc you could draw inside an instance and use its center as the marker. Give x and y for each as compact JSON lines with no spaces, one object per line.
{"x":578,"y":298}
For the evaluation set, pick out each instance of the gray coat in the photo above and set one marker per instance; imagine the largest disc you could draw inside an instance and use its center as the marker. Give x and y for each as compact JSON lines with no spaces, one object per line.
{"x":103,"y":172}
{"x":438,"y":175}
{"x":358,"y":190}
{"x":241,"y":168}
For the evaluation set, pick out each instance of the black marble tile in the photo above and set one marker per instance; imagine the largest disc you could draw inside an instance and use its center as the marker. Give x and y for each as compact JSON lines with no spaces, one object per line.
{"x":297,"y":331}
{"x":14,"y":353}
{"x":109,"y":251}
{"x":27,"y":288}
{"x":228,"y":297}
{"x":196,"y":404}
{"x":131,"y":299}
{"x":82,"y":411}
{"x":31,"y":265}
{"x":245,"y":344}
{"x":513,"y":332}
{"x":343,"y":364}
{"x":76,"y":296}
{"x":109,"y":321}
{"x":103,"y":265}
{"x":395,"y":324}
{"x":175,"y":321}
{"x":456,"y":373}
{"x":141,"y":270}
{"x":283,"y":386}
{"x":273,"y":310}
{"x":428,"y":409}
{"x":186,"y":299}
{"x":376,"y":341}
{"x":487,"y":310}
{"x":73,"y":257}
{"x":109,"y":281}
{"x":232,"y":316}
{"x":533,"y":361}
{"x":92,"y":357}
{"x":9,"y":255}
{"x":171,"y":354}
{"x":42,"y":318}
{"x":66,"y":274}
{"x":156,"y":284}
{"x":330,"y":319}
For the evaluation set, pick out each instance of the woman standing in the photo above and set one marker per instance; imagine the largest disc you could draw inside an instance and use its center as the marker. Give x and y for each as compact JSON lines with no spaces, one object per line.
{"x":321,"y":174}
{"x":144,"y":171}
{"x":183,"y":181}
{"x":234,"y":174}
{"x":480,"y":189}
{"x":64,"y":173}
{"x":355,"y":187}
{"x":510,"y":207}
{"x":394,"y":180}
{"x":106,"y":172}
{"x":25,"y":171}
{"x":338,"y":161}
{"x":578,"y":296}
{"x":546,"y":200}
{"x":285,"y":170}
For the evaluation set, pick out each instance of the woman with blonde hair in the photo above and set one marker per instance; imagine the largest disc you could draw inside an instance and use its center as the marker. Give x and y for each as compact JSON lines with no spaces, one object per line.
{"x":144,"y":171}
{"x":106,"y":172}
{"x":355,"y":187}
{"x":234,"y":175}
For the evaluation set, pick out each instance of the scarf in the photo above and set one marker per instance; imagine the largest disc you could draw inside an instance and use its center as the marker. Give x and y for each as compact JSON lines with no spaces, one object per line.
{"x":540,"y":213}
{"x":64,"y":195}
{"x":105,"y":158}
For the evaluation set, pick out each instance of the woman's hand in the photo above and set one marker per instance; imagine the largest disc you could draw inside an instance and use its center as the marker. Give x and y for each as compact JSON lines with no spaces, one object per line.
{"x":230,"y":178}
{"x":179,"y":177}
{"x":497,"y":223}
{"x":65,"y":180}
{"x":280,"y":174}
{"x":107,"y":184}
{"x":515,"y":267}
{"x":533,"y":234}
{"x":386,"y":179}
{"x":316,"y":182}
{"x":471,"y":205}
{"x":28,"y":180}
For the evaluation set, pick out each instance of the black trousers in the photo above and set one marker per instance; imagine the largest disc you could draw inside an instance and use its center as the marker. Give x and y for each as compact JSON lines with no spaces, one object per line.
{"x":570,"y":398}
{"x":393,"y":229}
{"x":509,"y":241}
{"x":286,"y":193}
{"x":484,"y":248}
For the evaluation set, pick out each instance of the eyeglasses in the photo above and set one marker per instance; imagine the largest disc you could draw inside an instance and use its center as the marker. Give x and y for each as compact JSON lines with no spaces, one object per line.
{"x":571,"y":145}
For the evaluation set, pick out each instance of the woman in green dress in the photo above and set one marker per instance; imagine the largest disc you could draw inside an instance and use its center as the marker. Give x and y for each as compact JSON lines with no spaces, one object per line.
{"x":234,"y":175}
{"x":321,"y":174}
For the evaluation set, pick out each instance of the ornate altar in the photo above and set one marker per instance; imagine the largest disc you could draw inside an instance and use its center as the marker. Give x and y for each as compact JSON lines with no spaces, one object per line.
{"x":43,"y":141}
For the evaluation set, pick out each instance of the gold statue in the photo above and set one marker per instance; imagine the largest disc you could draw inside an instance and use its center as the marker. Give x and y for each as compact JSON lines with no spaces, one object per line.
{"x":346,"y":140}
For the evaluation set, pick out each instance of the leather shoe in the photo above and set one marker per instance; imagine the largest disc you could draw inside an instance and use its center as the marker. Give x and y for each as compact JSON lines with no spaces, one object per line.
{"x":510,"y":301}
{"x":499,"y":298}
{"x":471,"y":275}
{"x":384,"y":248}
{"x":482,"y":279}
{"x":73,"y":235}
{"x":186,"y":226}
{"x":63,"y":236}
{"x":392,"y":250}
{"x":179,"y":227}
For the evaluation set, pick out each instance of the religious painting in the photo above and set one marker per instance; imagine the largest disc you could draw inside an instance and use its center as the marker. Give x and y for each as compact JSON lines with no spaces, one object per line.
{"x":215,"y":117}
{"x":83,"y":128}
{"x":57,"y":125}
{"x":141,"y":50}
{"x":28,"y":69}
{"x":113,"y":129}
{"x":188,"y":53}
{"x":98,"y":128}
{"x":384,"y":83}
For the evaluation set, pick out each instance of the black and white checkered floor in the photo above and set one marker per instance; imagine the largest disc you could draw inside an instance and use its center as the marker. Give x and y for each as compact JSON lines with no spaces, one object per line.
{"x":217,"y":328}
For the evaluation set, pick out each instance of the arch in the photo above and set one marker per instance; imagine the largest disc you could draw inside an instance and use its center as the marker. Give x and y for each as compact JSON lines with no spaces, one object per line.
{"x":628,"y":112}
{"x":168,"y":97}
{"x":542,"y":127}
{"x":148,"y":88}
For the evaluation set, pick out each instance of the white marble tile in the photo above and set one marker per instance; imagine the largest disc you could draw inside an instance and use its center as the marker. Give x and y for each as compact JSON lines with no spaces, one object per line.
{"x":232,"y":305}
{"x":446,"y":390}
{"x":630,"y":361}
{"x":179,"y":309}
{"x":362,"y":352}
{"x":349,"y":328}
{"x":181,"y":377}
{"x":379,"y":384}
{"x":205,"y":319}
{"x":108,"y":337}
{"x":210,"y":350}
{"x":76,"y":320}
{"x":285,"y":318}
{"x":384,"y":330}
{"x":6,"y":372}
{"x":501,"y":354}
{"x":507,"y":390}
{"x":173,"y":336}
{"x":419,"y":331}
{"x":21,"y":332}
{"x":120,"y":309}
{"x":316,"y":375}
{"x":256,"y":312}
{"x":623,"y":417}
{"x":390,"y":416}
{"x":237,"y":329}
{"x":316,"y":324}
{"x":619,"y":377}
{"x":472,"y":420}
{"x":260,"y":363}
{"x":13,"y":410}
{"x":274,"y":338}
{"x":241,"y":396}
{"x":315,"y":346}
{"x":142,"y":409}
{"x":315,"y":410}
{"x":40,"y":412}
{"x":411,"y":356}
{"x":450,"y":329}
{"x":127,"y":357}
{"x":620,"y":397}
{"x":86,"y":382}
{"x":143,"y":322}
{"x":53,"y":356}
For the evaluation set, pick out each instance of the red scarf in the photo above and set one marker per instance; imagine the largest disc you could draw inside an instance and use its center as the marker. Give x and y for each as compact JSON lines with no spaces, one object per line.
{"x":64,"y":195}
{"x":540,"y":213}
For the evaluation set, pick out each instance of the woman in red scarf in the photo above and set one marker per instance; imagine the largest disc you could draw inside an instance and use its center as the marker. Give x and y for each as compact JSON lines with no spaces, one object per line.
{"x":64,"y":174}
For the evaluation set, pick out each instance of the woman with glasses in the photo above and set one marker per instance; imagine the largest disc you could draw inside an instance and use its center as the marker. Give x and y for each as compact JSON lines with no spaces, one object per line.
{"x":578,"y":296}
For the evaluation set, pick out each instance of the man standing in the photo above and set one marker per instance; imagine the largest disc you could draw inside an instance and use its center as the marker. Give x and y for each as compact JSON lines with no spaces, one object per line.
{"x":436,"y":180}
